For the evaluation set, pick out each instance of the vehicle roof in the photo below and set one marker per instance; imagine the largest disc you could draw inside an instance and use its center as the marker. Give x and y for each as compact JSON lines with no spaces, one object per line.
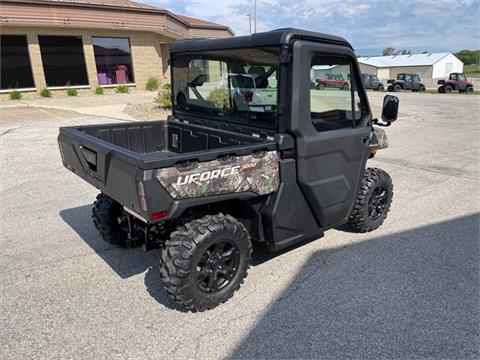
{"x":269,"y":38}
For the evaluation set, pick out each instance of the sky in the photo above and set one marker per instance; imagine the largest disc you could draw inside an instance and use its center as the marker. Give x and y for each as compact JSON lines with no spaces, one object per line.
{"x":369,"y":25}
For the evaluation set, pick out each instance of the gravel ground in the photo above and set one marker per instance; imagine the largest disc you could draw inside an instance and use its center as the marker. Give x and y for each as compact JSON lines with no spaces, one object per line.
{"x":409,"y":290}
{"x":146,"y":111}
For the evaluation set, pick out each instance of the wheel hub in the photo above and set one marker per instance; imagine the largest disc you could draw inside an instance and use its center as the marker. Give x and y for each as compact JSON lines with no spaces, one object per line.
{"x":217,"y":266}
{"x":377,"y":203}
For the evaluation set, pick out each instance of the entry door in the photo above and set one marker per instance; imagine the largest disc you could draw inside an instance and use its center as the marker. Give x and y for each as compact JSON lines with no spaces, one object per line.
{"x":332,"y":144}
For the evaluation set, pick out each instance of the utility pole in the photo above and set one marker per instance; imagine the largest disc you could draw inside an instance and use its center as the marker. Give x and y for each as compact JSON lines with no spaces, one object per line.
{"x":250,"y":23}
{"x":255,"y":16}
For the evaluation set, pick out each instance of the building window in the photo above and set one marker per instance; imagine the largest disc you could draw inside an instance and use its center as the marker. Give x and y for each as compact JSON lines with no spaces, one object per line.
{"x":63,"y":60}
{"x":113,"y":59}
{"x":16,"y":71}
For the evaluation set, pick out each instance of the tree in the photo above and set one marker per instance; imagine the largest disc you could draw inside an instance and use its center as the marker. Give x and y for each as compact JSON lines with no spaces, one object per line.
{"x":424,"y":52}
{"x":406,"y":52}
{"x":388,"y":51}
{"x":469,"y":57}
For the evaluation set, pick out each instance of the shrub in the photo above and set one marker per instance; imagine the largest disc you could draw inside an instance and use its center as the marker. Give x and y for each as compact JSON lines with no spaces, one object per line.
{"x":121,"y":89}
{"x":167,"y":86}
{"x":45,"y":93}
{"x":152,"y":84}
{"x":219,"y":97}
{"x":15,"y":95}
{"x":164,"y":99}
{"x":99,"y":90}
{"x":72,"y":92}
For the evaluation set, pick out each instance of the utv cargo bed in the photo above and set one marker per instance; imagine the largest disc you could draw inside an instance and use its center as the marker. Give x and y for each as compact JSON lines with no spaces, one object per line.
{"x":121,"y":157}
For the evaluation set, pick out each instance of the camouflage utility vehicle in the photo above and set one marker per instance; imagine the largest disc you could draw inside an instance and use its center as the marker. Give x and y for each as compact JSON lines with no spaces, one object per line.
{"x":278,"y":164}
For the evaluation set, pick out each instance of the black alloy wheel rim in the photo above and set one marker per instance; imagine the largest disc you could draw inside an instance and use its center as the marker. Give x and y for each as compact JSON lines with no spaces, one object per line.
{"x":218,"y":266}
{"x":377,"y":203}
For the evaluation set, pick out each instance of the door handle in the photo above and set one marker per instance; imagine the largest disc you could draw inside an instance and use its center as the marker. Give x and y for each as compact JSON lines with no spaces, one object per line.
{"x":364,"y":140}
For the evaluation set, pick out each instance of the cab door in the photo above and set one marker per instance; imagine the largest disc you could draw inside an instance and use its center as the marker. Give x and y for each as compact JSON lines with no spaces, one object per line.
{"x":461,"y":82}
{"x":332,"y":131}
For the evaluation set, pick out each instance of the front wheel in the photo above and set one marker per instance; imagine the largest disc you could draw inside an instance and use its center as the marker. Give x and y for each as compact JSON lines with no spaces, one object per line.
{"x":380,"y":88}
{"x":320,"y":86}
{"x":205,"y":261}
{"x":373,"y":201}
{"x":421,"y":88}
{"x":447,"y":89}
{"x":469,"y":90}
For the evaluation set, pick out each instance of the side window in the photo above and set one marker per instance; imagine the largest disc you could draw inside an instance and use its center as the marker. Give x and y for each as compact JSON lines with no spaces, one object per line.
{"x":334,"y":100}
{"x":461,"y":77}
{"x":416,"y":78}
{"x":408,"y":77}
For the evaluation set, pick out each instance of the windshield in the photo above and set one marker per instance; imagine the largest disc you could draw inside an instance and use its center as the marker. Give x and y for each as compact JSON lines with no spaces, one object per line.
{"x":229,"y":85}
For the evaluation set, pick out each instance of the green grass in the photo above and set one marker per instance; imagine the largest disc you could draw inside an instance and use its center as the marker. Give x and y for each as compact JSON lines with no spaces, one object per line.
{"x":121,"y":89}
{"x":15,"y":95}
{"x":152,"y":84}
{"x":45,"y":93}
{"x":472,"y":70}
{"x":99,"y":90}
{"x":72,"y":92}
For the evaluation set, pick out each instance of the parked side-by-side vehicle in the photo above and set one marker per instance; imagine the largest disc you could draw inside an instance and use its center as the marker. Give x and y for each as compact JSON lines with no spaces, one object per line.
{"x":406,"y":82}
{"x":372,"y":82}
{"x":278,"y":164}
{"x":455,"y":81}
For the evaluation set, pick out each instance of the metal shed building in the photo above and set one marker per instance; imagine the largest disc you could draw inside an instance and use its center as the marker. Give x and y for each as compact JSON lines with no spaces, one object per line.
{"x":430,"y":66}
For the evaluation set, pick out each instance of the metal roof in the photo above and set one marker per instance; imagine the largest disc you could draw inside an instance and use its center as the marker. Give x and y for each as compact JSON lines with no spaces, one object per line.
{"x":403,"y":60}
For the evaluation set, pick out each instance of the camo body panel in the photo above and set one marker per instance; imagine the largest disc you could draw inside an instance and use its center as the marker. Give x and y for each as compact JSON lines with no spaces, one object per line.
{"x":379,"y":139}
{"x":255,"y":173}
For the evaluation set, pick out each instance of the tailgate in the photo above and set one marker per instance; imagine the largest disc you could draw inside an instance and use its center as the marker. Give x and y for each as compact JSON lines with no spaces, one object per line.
{"x":110,"y":169}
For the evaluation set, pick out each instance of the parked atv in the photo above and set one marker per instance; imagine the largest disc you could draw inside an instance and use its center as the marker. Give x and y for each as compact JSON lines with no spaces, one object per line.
{"x":212,"y":178}
{"x":406,"y":82}
{"x":456,"y":81}
{"x":372,"y":82}
{"x":332,"y":81}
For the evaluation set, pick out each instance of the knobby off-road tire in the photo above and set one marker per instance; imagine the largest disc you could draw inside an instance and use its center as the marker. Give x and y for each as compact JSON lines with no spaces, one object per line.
{"x":106,"y":214}
{"x":373,"y":201}
{"x":206,"y":261}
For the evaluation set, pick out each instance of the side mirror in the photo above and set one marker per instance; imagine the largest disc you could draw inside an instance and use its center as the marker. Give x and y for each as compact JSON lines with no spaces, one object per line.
{"x":390,"y":109}
{"x":198,"y":81}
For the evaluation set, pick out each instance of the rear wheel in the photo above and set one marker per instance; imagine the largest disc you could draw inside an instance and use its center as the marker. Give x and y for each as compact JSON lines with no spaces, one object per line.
{"x":390,"y":88}
{"x":109,"y":219}
{"x":469,"y":90}
{"x":380,"y":88}
{"x":346,"y":87}
{"x":447,"y":89}
{"x":397,"y":88}
{"x":320,"y":86}
{"x":441,"y":90}
{"x":205,"y":261}
{"x":373,"y":201}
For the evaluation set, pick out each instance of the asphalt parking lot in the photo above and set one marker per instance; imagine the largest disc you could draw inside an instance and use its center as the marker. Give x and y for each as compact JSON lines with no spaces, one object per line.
{"x":407,"y":291}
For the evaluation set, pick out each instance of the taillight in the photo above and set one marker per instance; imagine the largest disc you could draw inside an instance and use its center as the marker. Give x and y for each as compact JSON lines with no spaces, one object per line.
{"x":141,"y":196}
{"x":159,"y":215}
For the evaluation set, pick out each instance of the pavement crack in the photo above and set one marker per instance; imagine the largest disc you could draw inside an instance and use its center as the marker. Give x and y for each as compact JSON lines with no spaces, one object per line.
{"x":11,"y":130}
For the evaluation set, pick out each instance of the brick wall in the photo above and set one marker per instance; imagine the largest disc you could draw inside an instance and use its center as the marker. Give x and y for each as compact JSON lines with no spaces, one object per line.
{"x":149,"y":52}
